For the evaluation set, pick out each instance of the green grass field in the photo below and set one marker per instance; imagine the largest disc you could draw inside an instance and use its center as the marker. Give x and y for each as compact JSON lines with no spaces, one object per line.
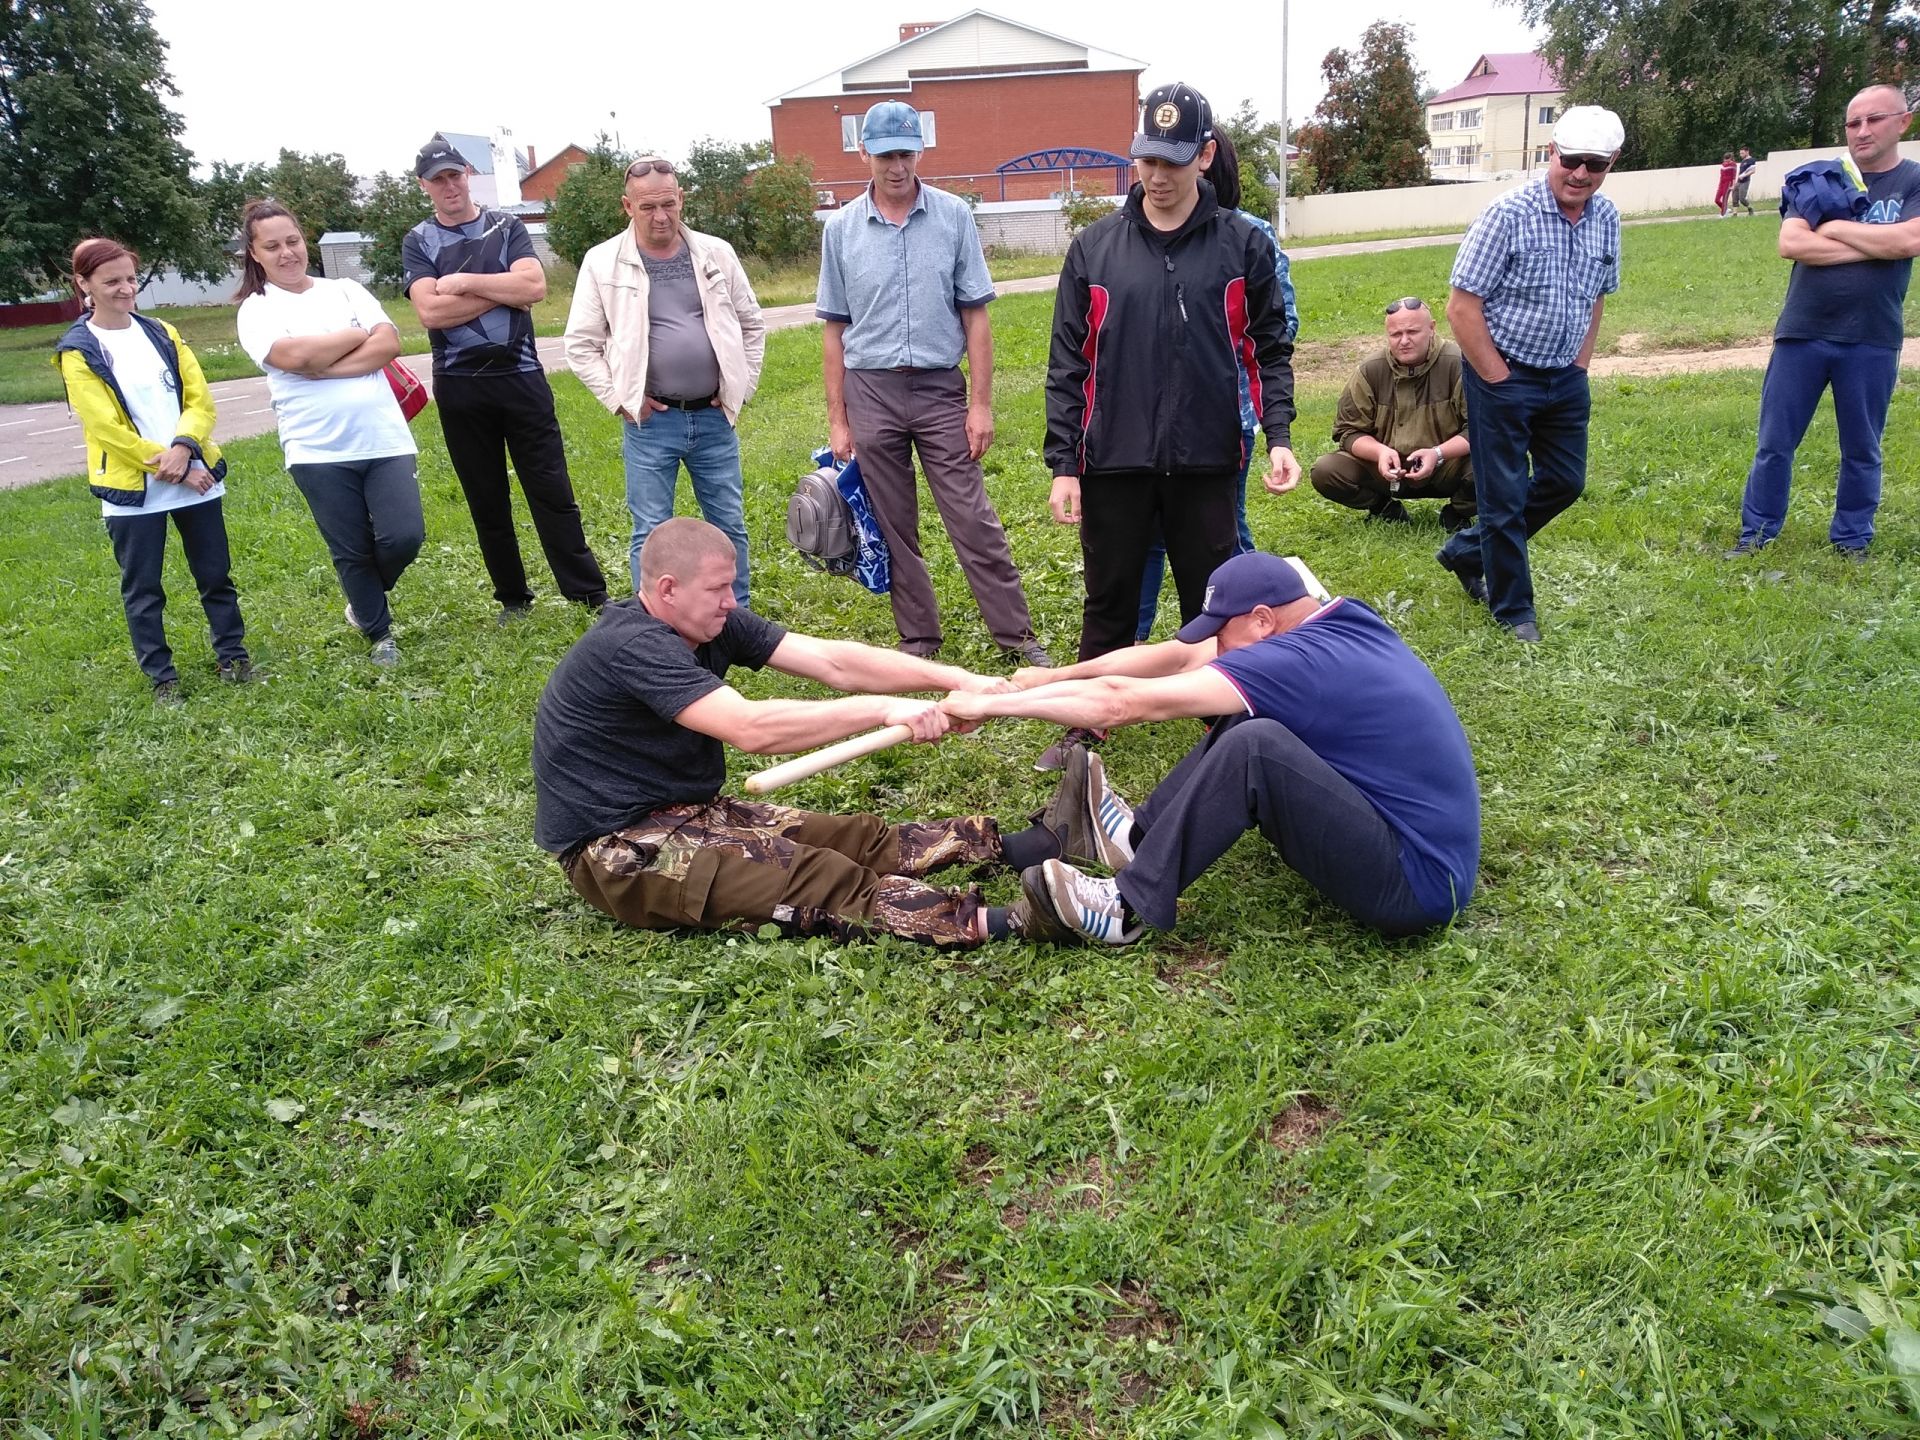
{"x":328,"y":1110}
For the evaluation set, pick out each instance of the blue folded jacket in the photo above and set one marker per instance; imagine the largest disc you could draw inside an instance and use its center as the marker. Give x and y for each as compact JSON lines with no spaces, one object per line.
{"x":1823,"y":190}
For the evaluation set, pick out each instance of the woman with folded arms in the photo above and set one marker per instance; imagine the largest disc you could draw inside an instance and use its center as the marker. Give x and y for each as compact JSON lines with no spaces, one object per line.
{"x":323,"y":344}
{"x":144,"y":408}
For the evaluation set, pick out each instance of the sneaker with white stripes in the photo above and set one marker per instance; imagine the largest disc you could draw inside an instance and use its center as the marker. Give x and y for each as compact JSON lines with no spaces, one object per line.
{"x":1112,"y":818}
{"x":1092,"y":906}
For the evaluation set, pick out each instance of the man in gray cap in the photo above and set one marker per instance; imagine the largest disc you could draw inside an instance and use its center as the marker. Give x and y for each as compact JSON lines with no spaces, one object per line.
{"x":1529,"y":284}
{"x":904,"y":291}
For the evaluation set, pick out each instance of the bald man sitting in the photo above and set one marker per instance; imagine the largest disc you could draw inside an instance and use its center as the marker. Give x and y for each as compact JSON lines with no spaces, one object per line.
{"x":628,"y":765}
{"x":1401,"y":427}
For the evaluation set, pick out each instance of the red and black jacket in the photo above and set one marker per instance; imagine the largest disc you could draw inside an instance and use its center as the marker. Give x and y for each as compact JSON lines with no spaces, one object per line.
{"x":1150,"y":333}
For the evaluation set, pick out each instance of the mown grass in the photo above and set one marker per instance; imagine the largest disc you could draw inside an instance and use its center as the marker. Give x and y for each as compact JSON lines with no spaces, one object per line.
{"x":328,"y":1110}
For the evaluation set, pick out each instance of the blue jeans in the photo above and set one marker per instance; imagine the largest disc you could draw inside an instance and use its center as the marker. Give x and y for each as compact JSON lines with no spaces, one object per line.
{"x":708,"y":446}
{"x":1529,"y":437}
{"x":1156,"y":569}
{"x":1862,"y":377}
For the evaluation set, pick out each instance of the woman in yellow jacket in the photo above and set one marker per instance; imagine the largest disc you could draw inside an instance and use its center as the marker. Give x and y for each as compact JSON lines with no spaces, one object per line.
{"x":130,"y":379}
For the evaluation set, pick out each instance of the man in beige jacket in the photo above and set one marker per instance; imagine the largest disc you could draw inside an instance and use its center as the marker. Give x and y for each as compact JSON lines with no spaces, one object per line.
{"x":666,"y":331}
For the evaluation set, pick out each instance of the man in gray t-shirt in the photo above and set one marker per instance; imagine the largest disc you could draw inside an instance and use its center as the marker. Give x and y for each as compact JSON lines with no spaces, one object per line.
{"x":666,"y":331}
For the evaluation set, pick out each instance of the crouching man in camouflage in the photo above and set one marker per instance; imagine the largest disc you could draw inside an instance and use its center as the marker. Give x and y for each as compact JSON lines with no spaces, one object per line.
{"x":628,"y":765}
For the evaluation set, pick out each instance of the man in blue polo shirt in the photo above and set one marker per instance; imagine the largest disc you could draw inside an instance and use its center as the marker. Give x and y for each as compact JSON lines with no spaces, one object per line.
{"x":1529,"y":284}
{"x":903,"y":291}
{"x":1338,"y":745}
{"x":1841,"y":326}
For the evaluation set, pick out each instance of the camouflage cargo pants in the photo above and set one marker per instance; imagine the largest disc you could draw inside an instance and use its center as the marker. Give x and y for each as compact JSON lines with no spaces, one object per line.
{"x":746,"y":863}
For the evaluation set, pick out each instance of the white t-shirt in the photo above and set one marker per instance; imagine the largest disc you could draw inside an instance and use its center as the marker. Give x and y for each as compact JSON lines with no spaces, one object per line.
{"x":154,"y":407}
{"x":325,"y":421}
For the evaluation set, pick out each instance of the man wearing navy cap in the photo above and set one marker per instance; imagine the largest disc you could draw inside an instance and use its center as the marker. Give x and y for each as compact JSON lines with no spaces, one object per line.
{"x":904,"y":291}
{"x":1337,"y":744}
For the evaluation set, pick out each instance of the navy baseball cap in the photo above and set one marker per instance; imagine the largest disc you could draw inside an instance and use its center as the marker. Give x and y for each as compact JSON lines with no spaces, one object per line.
{"x":436,"y":156}
{"x":890,"y":127}
{"x":1175,"y":123}
{"x":1255,"y":578}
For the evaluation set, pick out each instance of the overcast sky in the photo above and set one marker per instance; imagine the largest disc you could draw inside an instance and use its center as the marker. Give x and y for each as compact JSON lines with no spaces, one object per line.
{"x":372,"y":81}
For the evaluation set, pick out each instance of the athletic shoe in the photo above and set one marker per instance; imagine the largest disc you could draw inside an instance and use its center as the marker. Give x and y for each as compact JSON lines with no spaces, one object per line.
{"x":1474,"y":585}
{"x":384,"y":653}
{"x":1030,"y":652}
{"x":1033,"y":916}
{"x":236,"y":672}
{"x":1856,"y":553}
{"x":1054,"y":757}
{"x":1112,"y":818}
{"x":166,"y":693}
{"x":511,"y":613}
{"x":1391,"y":513}
{"x":1746,"y":545}
{"x":1525,"y":631}
{"x":1092,"y":906}
{"x":354,"y":620}
{"x":1069,"y":815}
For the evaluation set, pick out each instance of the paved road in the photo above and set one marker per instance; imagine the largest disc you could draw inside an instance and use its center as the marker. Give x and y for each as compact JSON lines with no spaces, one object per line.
{"x":42,"y":442}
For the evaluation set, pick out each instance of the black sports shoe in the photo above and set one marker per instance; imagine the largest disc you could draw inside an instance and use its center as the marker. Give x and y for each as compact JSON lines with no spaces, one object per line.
{"x":1474,"y":585}
{"x":1067,"y":814}
{"x":1054,"y":757}
{"x":1034,"y":918}
{"x":1526,"y":631}
{"x":1745,"y":545}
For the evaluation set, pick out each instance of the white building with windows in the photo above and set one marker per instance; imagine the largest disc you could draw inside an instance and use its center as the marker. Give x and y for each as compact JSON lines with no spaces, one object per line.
{"x":1498,"y":121}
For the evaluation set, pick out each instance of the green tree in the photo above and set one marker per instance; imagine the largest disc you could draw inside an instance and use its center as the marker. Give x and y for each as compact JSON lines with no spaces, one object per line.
{"x":778,"y":206}
{"x":393,"y":207}
{"x":1260,"y":146}
{"x":1693,"y":78}
{"x":225,"y":192}
{"x":1369,"y":132}
{"x":89,"y":145}
{"x":716,"y":177}
{"x":319,"y":189}
{"x":586,"y":207}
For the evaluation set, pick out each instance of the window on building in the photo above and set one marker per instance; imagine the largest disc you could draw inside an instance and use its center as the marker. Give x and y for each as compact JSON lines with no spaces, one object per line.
{"x":1469,"y":155}
{"x":1547,"y":113}
{"x":850,"y":130}
{"x":1542,"y":154}
{"x":1440,"y":155}
{"x":1470,"y":119}
{"x":1442,"y":120}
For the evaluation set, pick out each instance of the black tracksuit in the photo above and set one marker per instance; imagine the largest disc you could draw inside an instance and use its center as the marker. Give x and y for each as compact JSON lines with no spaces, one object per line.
{"x":1151,"y":332}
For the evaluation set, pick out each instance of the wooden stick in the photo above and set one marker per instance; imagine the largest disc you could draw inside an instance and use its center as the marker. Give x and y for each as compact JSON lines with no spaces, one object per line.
{"x":803,"y":767}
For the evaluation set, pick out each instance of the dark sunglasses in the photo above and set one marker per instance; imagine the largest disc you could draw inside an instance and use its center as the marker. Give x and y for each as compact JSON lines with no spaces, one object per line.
{"x":1592,"y":164}
{"x":646,"y":166}
{"x":1412,"y":302}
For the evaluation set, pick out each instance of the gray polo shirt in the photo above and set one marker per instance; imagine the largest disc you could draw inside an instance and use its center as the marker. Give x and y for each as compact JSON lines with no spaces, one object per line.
{"x":899,"y":289}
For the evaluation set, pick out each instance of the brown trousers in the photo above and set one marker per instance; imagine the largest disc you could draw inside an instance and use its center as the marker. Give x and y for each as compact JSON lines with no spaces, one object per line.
{"x":744,"y":863}
{"x":892,"y":414}
{"x":1348,"y":480}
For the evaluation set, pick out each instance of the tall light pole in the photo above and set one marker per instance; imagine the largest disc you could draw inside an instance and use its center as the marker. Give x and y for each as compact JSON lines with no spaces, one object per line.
{"x":1280,"y":204}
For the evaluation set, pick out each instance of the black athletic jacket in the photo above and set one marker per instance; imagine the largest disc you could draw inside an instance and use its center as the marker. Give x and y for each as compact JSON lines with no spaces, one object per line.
{"x":1151,"y":332}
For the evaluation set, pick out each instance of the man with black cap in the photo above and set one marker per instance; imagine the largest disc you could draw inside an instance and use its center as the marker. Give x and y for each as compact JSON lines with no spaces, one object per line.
{"x":1337,"y":744}
{"x":1162,"y":307}
{"x":474,"y":279}
{"x":1529,"y":284}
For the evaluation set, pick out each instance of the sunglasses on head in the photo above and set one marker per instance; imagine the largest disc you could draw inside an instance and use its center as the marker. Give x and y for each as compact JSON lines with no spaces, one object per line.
{"x":649,"y":165}
{"x":1411,"y":302}
{"x":1592,"y":164}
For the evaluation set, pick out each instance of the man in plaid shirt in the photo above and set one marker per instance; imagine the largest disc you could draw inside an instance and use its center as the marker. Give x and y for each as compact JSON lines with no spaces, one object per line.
{"x":1529,"y":284}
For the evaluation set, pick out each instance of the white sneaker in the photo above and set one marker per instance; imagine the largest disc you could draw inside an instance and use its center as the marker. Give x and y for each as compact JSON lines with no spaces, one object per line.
{"x":384,"y":653}
{"x":353,"y":619}
{"x":1112,"y":818}
{"x":1090,"y":905}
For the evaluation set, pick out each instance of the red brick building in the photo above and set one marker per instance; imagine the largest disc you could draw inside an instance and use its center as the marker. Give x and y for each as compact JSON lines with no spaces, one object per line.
{"x":544,"y":179}
{"x":989,"y":91}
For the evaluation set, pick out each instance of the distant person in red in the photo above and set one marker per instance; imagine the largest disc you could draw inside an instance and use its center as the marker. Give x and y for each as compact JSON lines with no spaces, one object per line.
{"x":1728,"y":167}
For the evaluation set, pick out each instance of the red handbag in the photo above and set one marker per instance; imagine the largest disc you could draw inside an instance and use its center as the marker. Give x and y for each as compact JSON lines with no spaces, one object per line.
{"x":407,"y":389}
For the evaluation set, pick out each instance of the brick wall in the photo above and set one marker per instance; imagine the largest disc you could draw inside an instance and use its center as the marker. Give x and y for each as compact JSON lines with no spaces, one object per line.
{"x":979,"y":125}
